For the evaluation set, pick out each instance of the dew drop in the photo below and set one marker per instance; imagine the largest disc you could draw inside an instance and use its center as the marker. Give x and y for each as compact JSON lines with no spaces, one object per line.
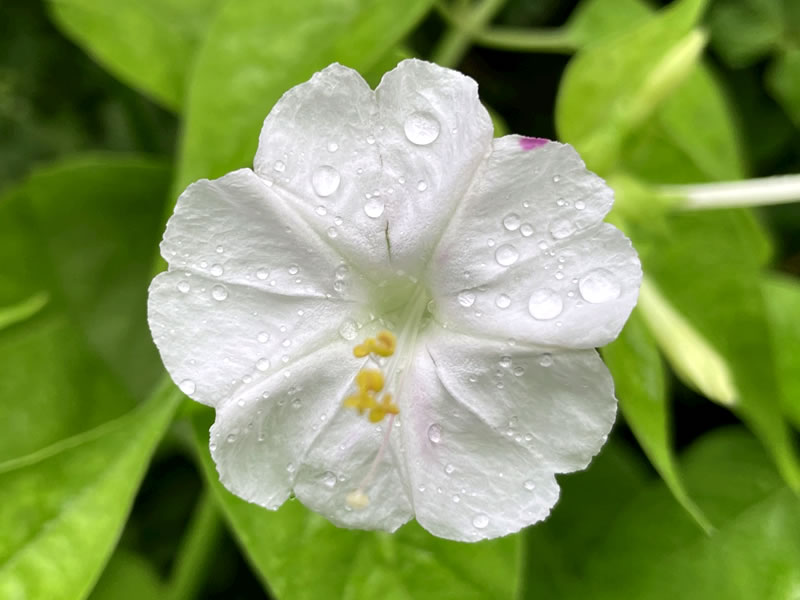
{"x":503,"y":301}
{"x":480,"y":521}
{"x":293,"y":269}
{"x":296,"y":403}
{"x":263,"y":337}
{"x":526,"y":229}
{"x":290,"y":468}
{"x":333,"y":146}
{"x":262,"y":274}
{"x":348,"y":330}
{"x":449,"y":469}
{"x":325,"y":180}
{"x":262,"y":364}
{"x":466,"y":298}
{"x":219,"y":293}
{"x":279,"y":166}
{"x":556,"y":178}
{"x":338,"y":220}
{"x":546,"y":360}
{"x":435,"y":433}
{"x":231,"y":438}
{"x":333,"y":232}
{"x":580,"y":204}
{"x":599,"y":286}
{"x":187,"y":386}
{"x":220,"y":249}
{"x":329,"y":479}
{"x":519,"y":371}
{"x":183,"y":286}
{"x":529,"y":485}
{"x":511,"y":222}
{"x":421,"y":128}
{"x":561,"y":228}
{"x":545,"y":304}
{"x":506,"y":255}
{"x":422,"y":186}
{"x":505,"y":361}
{"x":456,"y":498}
{"x":374,"y":208}
{"x":217,"y":270}
{"x":370,"y":139}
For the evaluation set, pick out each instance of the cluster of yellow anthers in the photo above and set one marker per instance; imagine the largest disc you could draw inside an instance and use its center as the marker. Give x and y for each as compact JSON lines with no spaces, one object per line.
{"x":370,"y":381}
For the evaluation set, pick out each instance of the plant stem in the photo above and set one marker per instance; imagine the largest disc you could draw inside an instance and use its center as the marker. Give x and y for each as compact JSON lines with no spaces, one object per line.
{"x":779,"y":189}
{"x":461,"y":31}
{"x":196,"y":551}
{"x":556,"y":40}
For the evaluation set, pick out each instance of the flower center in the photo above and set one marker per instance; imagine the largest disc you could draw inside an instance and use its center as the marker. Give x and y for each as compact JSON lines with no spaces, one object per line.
{"x":371,"y":382}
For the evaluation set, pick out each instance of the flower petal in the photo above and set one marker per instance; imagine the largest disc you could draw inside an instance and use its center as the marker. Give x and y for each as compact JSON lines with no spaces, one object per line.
{"x":490,"y":424}
{"x":527,"y":255}
{"x":436,"y":135}
{"x":250,"y":288}
{"x":384,"y":169}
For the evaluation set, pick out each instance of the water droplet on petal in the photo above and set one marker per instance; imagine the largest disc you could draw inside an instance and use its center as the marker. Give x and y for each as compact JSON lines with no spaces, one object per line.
{"x":545,"y":304}
{"x":374,"y":208}
{"x":529,"y":485}
{"x":561,"y":228}
{"x":187,"y":386}
{"x":511,"y":221}
{"x":333,"y":146}
{"x":262,"y":274}
{"x":329,"y":479}
{"x":466,"y":298}
{"x":183,"y":286}
{"x":370,"y":139}
{"x":449,"y":469}
{"x":262,"y":364}
{"x":219,"y":293}
{"x":435,"y":433}
{"x":421,"y":128}
{"x":325,"y":180}
{"x":599,"y":286}
{"x":279,"y":166}
{"x":333,"y":232}
{"x":505,"y":362}
{"x":506,"y":255}
{"x":519,"y":371}
{"x":290,"y":468}
{"x":526,"y":229}
{"x":321,"y":211}
{"x":293,"y":269}
{"x":231,"y":438}
{"x":580,"y":204}
{"x":217,"y":270}
{"x":263,"y":337}
{"x":556,"y":178}
{"x":503,"y":301}
{"x":348,"y":329}
{"x":480,"y":521}
{"x":546,"y":359}
{"x":422,"y":186}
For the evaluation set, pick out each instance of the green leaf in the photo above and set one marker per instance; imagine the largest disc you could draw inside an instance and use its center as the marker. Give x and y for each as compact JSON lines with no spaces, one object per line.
{"x":148,"y":44}
{"x":742,"y":31}
{"x":783,"y":82}
{"x":707,"y":273}
{"x":610,"y":88}
{"x":651,"y":550}
{"x":300,"y":555}
{"x":256,"y":50}
{"x":10,"y":315}
{"x":62,"y":508}
{"x":596,"y":20}
{"x":782,"y":295}
{"x":128,"y":576}
{"x":642,"y":391}
{"x":84,"y":357}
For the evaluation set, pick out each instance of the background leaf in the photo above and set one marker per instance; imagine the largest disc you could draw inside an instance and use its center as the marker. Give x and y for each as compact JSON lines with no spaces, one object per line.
{"x":62,"y":508}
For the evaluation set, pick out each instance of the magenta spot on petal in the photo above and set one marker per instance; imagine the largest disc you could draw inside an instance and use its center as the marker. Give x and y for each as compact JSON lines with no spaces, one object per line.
{"x":529,"y":143}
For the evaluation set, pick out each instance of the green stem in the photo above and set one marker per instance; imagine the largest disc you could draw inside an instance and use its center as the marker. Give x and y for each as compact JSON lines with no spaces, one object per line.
{"x":197,"y":550}
{"x":557,"y":40}
{"x":779,"y":189}
{"x":456,"y":41}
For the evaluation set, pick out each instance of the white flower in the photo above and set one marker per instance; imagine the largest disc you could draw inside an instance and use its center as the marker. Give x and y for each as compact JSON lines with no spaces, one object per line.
{"x":482,"y":264}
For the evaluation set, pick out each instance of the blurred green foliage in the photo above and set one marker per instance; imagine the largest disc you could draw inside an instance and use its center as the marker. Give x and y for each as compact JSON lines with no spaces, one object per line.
{"x":108,"y":109}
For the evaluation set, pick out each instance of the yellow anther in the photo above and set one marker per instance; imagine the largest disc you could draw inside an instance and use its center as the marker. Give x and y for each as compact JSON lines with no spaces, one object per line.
{"x":357,"y":499}
{"x":385,"y":343}
{"x":362,"y":401}
{"x":361,"y":350}
{"x":369,"y":380}
{"x":382,"y":408}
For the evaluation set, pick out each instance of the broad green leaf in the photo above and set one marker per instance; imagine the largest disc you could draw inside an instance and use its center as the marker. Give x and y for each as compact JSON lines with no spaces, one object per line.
{"x":610,"y":88}
{"x":641,"y":388}
{"x":783,"y":82}
{"x":62,"y":508}
{"x":707,"y":271}
{"x":742,"y":31}
{"x":555,"y":551}
{"x":83,"y":234}
{"x":782,"y":295}
{"x":300,"y":555}
{"x":651,"y":549}
{"x":256,"y":50}
{"x":596,"y":20}
{"x":9,"y":315}
{"x":128,"y":576}
{"x":148,"y":44}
